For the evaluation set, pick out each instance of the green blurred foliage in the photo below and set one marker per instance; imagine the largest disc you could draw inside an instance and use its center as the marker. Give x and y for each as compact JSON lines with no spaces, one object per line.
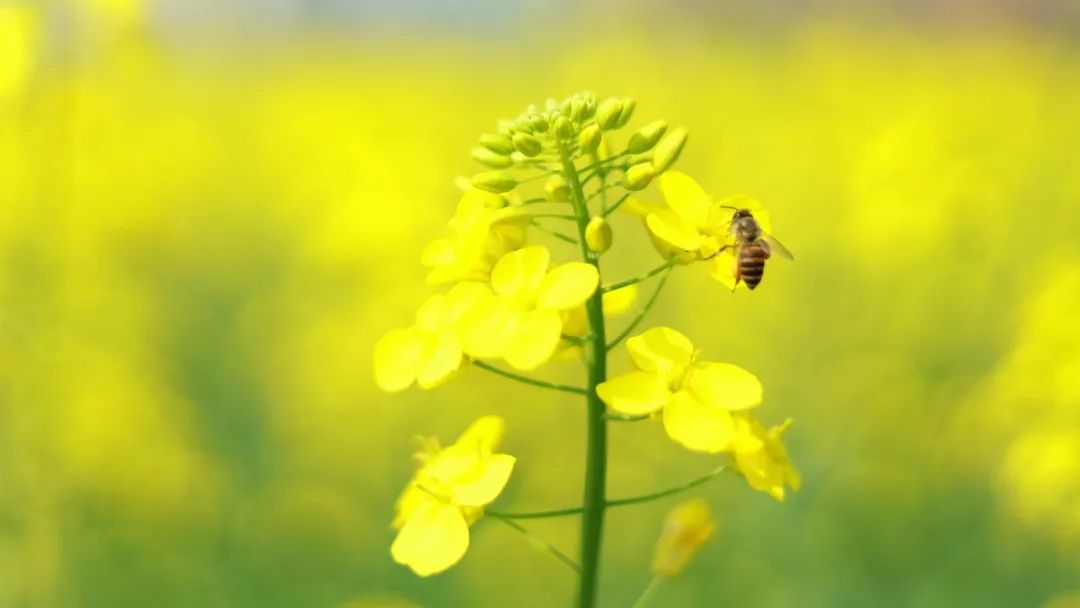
{"x":198,"y":249}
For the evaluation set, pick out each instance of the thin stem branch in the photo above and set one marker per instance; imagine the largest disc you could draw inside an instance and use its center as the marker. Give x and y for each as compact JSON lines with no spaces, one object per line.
{"x":601,"y":190}
{"x":618,"y":502}
{"x":601,"y":163}
{"x":555,"y":233}
{"x":644,"y":310}
{"x":650,"y":591}
{"x":668,"y":492}
{"x":527,"y":380}
{"x":618,"y":203}
{"x":641,"y":277}
{"x":540,"y":543}
{"x":628,"y":418}
{"x":557,"y":216}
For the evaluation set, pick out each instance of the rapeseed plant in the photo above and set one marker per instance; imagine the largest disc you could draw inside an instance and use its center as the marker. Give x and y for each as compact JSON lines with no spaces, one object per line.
{"x":511,"y":302}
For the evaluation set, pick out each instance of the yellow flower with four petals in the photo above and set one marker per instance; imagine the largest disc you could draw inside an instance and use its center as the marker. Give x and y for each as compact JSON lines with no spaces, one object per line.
{"x":430,"y":352}
{"x":693,"y":227}
{"x":446,"y":495}
{"x":697,"y":399}
{"x":484,"y":228}
{"x":522,"y":320}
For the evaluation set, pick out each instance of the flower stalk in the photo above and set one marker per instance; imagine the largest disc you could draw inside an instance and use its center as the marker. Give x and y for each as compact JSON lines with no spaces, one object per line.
{"x":594,"y":502}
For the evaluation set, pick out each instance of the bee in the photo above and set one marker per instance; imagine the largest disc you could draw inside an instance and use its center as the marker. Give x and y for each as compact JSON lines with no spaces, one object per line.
{"x":752,"y":247}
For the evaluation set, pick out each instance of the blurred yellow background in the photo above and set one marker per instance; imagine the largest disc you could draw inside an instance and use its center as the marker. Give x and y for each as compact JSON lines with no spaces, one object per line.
{"x":208,"y":215}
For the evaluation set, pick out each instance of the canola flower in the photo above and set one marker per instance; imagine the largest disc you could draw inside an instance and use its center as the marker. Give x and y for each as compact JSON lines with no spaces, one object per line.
{"x":693,"y":227}
{"x":557,"y":173}
{"x":448,"y":494}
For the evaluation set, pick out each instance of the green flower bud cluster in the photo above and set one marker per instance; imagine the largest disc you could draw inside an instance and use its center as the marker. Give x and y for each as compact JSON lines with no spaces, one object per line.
{"x":579,"y":126}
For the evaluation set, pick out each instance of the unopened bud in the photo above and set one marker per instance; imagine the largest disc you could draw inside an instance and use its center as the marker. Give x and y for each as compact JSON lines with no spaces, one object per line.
{"x":563,"y":127}
{"x":598,"y":235}
{"x":485,"y":156}
{"x":638,"y":176}
{"x":607,"y":115}
{"x":556,"y":189}
{"x":539,"y":123}
{"x":668,"y":150}
{"x":646,"y":137}
{"x":494,"y":181}
{"x":589,"y":140}
{"x":527,"y":144}
{"x":497,"y":143}
{"x":625,"y":112}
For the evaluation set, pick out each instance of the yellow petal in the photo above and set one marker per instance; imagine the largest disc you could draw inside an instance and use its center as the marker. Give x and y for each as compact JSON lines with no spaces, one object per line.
{"x":487,"y":484}
{"x":482,"y":435}
{"x":634,"y":393}
{"x":722,"y":268}
{"x":660,"y":350}
{"x":485,"y":329}
{"x":685,"y":197}
{"x":441,"y":359}
{"x":397,"y":359}
{"x":434,"y":538}
{"x":669,"y":227}
{"x":533,"y":339}
{"x":518,"y":273}
{"x":438,"y":253}
{"x":698,"y":426}
{"x":432,"y":313}
{"x":724,"y":385}
{"x":463,"y":297}
{"x":568,"y":285}
{"x":619,"y":301}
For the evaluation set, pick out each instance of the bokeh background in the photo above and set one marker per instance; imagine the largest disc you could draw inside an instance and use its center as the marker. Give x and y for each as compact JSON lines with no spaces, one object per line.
{"x":209,"y":212}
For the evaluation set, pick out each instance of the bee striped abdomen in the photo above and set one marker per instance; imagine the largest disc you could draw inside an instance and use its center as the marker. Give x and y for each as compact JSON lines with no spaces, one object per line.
{"x":752,"y":264}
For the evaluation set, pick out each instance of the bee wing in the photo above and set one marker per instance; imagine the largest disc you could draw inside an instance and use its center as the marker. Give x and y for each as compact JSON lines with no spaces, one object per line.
{"x":778,"y":247}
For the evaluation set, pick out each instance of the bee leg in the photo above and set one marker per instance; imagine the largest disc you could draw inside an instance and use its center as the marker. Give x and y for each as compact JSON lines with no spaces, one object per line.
{"x":718,"y":252}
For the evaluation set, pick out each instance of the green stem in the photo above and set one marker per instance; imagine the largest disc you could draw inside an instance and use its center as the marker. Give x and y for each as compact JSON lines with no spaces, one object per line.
{"x":618,"y":502}
{"x":643,"y":312}
{"x":594,"y":502}
{"x":647,"y":595}
{"x":527,"y":380}
{"x":641,"y":277}
{"x":540,"y":543}
{"x":557,"y":216}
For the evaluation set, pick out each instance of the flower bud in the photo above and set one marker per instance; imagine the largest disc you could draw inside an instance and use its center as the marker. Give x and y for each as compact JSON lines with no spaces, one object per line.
{"x":563,"y":127}
{"x":607,"y":115}
{"x":522,"y":125}
{"x":598,"y":235}
{"x":577,"y":108}
{"x":589,"y":139}
{"x":625,"y":112}
{"x":556,"y":189}
{"x":590,"y":105}
{"x":494,"y":181}
{"x":668,"y":150}
{"x":639,"y":176}
{"x":497,"y":143}
{"x":485,"y":156}
{"x":539,"y":123}
{"x":686,"y":529}
{"x":646,"y":137}
{"x":527,"y":144}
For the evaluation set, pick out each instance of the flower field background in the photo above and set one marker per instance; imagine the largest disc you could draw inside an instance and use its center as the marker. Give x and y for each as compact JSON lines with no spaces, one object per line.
{"x":202,"y":236}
